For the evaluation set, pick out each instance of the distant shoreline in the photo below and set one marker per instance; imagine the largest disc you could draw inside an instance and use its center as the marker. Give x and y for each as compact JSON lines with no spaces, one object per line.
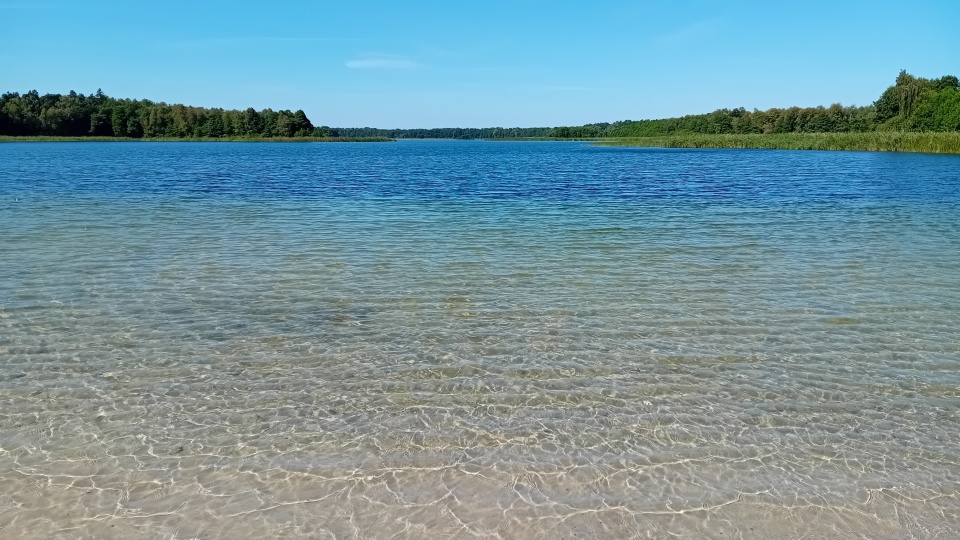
{"x":875,"y":141}
{"x":46,"y":138}
{"x":878,"y":141}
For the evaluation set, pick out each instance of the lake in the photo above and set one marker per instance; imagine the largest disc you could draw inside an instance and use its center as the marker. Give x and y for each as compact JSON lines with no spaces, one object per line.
{"x":467,"y":339}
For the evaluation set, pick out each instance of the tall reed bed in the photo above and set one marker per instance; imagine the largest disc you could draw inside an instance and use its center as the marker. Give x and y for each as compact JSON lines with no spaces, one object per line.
{"x":874,"y":141}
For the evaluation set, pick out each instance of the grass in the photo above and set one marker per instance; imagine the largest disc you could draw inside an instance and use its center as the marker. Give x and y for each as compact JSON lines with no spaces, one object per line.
{"x":45,"y":138}
{"x":874,"y":141}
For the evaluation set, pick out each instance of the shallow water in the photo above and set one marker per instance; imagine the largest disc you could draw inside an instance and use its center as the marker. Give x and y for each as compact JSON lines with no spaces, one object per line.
{"x":474,"y":339}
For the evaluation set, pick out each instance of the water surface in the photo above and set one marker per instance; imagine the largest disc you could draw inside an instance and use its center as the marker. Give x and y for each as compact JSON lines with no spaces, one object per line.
{"x":477,"y":340}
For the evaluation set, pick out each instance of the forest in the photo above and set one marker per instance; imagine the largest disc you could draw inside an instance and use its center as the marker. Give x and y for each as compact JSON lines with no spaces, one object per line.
{"x":98,"y":115}
{"x":911,"y":104}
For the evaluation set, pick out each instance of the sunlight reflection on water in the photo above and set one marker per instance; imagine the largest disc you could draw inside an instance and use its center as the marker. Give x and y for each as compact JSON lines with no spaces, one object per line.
{"x":467,"y":339}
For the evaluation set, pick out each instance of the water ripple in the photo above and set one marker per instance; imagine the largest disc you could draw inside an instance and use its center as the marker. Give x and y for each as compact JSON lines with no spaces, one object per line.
{"x":468,"y":339}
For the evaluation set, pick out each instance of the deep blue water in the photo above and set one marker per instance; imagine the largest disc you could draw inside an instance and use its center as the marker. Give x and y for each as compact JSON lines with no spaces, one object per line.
{"x":532,"y":172}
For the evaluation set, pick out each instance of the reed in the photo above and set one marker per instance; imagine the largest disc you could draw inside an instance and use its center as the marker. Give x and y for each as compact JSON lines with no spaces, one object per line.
{"x":872,"y":141}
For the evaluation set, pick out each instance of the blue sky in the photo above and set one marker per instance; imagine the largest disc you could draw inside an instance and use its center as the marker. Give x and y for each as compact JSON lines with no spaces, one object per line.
{"x":477,"y":64}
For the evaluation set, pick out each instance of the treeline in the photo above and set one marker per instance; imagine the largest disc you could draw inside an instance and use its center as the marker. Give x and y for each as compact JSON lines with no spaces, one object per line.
{"x":446,"y":133}
{"x":98,"y":115}
{"x":588,"y":131}
{"x":911,"y":104}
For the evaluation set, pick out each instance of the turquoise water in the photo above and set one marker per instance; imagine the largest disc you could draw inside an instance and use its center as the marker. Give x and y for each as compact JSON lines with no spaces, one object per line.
{"x":444,"y":339}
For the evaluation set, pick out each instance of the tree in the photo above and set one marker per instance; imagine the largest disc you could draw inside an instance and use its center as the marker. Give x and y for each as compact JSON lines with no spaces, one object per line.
{"x":947,"y":81}
{"x":888,"y":105}
{"x":100,"y":125}
{"x":118,"y":121}
{"x":269,"y":118}
{"x":302,"y":125}
{"x":253,"y":122}
{"x":938,"y":111}
{"x":213,"y":125}
{"x":909,"y":89}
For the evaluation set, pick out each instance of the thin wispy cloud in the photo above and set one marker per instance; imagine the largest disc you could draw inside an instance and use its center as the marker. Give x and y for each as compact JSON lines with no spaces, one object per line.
{"x":381,"y":61}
